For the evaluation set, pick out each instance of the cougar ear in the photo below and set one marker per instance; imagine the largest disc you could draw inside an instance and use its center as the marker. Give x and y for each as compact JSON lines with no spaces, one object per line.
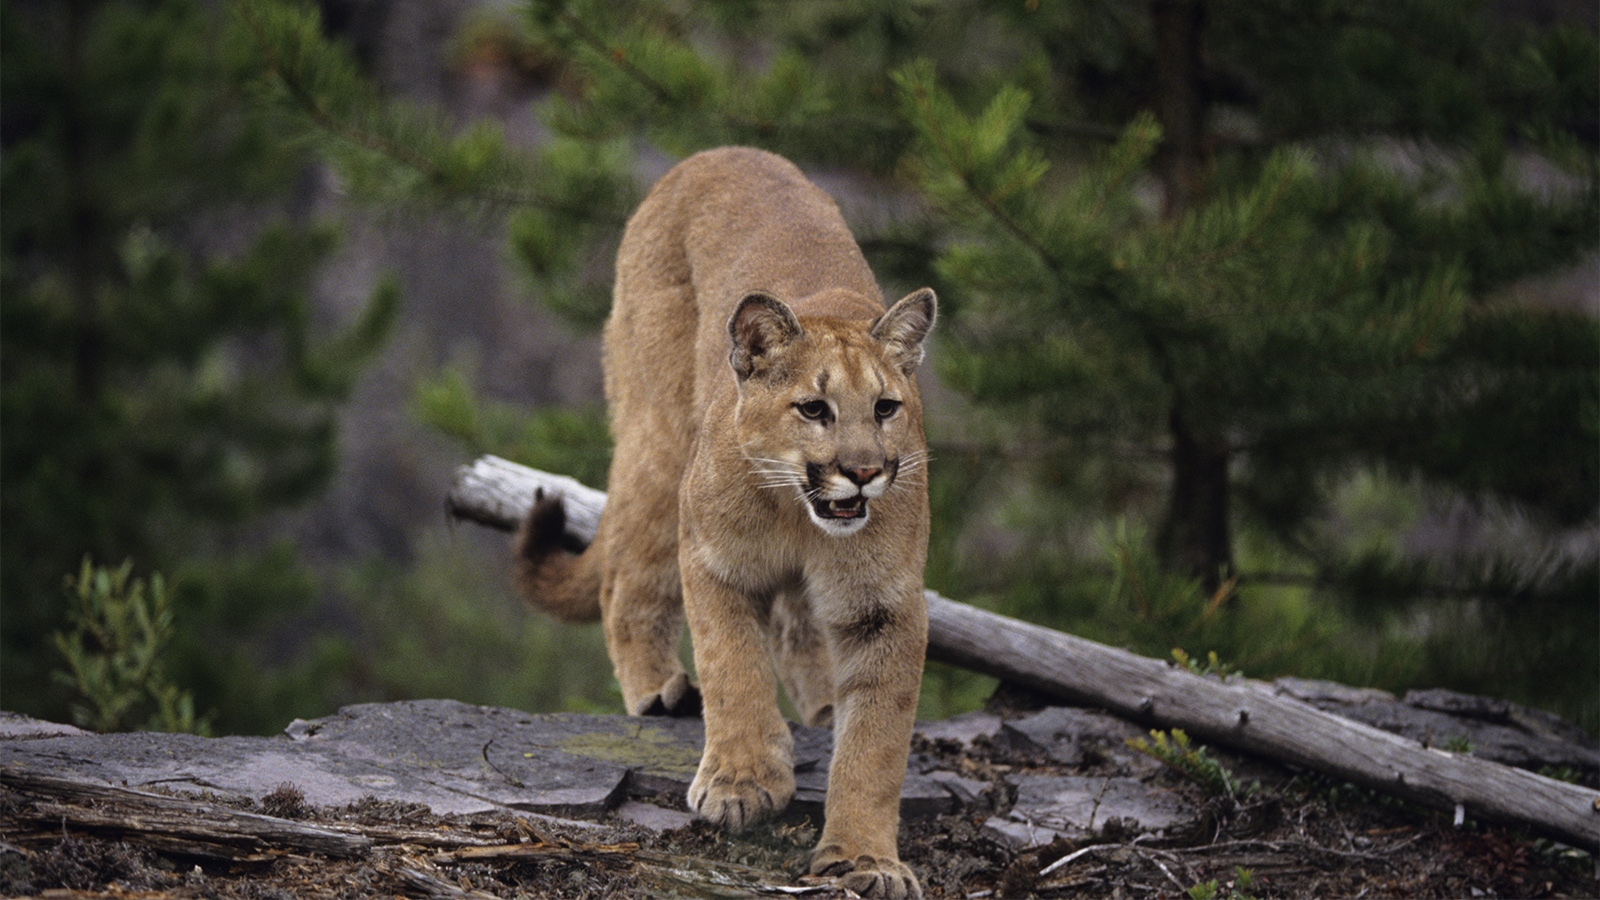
{"x":759,"y":326}
{"x":905,"y":326}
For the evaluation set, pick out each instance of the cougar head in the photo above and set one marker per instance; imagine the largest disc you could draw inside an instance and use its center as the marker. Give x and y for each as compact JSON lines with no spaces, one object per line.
{"x":828,"y":407}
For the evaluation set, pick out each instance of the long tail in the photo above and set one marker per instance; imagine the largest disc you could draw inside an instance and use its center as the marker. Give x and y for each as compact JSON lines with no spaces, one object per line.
{"x":550,"y":572}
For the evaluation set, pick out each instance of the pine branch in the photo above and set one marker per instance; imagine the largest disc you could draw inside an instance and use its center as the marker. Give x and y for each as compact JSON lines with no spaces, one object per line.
{"x":1261,"y":211}
{"x":918,"y":90}
{"x":744,"y":112}
{"x":408,"y":156}
{"x":916,"y":86}
{"x":618,"y":56}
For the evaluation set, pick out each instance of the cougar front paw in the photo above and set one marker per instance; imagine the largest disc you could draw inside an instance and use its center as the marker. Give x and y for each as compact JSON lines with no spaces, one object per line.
{"x":737,"y":795}
{"x":868,"y":876}
{"x":677,"y":697}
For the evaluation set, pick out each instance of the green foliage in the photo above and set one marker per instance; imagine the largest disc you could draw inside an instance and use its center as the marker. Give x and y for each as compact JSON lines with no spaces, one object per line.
{"x":1560,"y":773}
{"x":1311,"y":313}
{"x":1212,"y":665}
{"x":384,"y":150}
{"x":1128,"y":598}
{"x":164,"y":375}
{"x":673,"y":74}
{"x":1193,"y":762}
{"x":121,"y":629}
{"x":572,"y":442}
{"x":566,"y":200}
{"x":1244,"y":314}
{"x":1238,"y":889}
{"x":251,"y":643}
{"x":447,"y":626}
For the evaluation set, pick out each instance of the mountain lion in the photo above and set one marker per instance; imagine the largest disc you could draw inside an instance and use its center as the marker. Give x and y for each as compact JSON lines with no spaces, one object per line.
{"x":769,"y":482}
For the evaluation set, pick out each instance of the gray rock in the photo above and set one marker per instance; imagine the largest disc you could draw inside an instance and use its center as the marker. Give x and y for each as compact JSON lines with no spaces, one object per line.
{"x":1073,"y":736}
{"x":963,"y":791}
{"x":1049,"y":807}
{"x":1066,"y":772}
{"x":920,"y":796}
{"x":17,"y":725}
{"x":559,"y":764}
{"x":248,"y":767}
{"x":653,"y":817}
{"x":453,"y":757}
{"x":963,"y":729}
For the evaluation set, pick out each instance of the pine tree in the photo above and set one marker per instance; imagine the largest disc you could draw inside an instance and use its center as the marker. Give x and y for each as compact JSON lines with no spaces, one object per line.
{"x":1317,"y":287}
{"x":163,"y":373}
{"x":1208,"y":260}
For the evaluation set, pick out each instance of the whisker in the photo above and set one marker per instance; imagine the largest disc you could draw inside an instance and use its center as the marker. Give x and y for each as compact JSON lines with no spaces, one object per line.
{"x":912,"y":470}
{"x":914,"y":462}
{"x":773,"y":474}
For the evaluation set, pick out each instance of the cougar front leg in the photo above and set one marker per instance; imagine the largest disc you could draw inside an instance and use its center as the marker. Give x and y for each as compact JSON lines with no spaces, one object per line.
{"x":879,"y":655}
{"x":747,"y":771}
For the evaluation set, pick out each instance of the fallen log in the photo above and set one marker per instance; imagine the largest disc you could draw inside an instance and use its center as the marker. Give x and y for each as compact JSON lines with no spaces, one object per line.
{"x":172,"y":824}
{"x":1241,"y":715}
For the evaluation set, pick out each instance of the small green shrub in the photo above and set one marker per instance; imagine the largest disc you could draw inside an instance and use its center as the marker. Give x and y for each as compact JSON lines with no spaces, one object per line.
{"x":1193,"y":762}
{"x":120,"y":629}
{"x":1210,"y":666}
{"x":1209,"y":890}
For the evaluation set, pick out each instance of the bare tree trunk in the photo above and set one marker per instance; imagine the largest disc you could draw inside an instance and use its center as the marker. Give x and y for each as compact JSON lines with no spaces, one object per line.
{"x":1243,"y":715}
{"x":1180,"y":101}
{"x":1196,"y":537}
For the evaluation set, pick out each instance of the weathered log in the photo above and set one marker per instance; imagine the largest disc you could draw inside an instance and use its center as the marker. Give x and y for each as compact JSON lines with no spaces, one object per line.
{"x":1249,"y":717}
{"x":1241,"y":715}
{"x":173,"y":824}
{"x":498,"y":493}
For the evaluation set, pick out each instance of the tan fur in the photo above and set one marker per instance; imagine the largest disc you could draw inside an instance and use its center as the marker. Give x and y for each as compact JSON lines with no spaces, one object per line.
{"x":748,"y":361}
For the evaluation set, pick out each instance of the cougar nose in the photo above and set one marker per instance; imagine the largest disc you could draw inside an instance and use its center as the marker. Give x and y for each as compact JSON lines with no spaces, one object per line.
{"x":860,"y":476}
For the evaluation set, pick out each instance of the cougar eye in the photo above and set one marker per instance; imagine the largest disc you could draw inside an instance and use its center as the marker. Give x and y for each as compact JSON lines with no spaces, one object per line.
{"x":886,"y":408}
{"x":815,"y":410}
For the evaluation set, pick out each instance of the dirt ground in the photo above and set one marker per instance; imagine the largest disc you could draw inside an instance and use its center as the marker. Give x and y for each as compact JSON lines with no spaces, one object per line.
{"x":1295,"y":835}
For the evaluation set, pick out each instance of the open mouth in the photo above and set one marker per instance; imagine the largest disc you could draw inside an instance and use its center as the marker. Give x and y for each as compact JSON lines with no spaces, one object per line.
{"x":849,"y":508}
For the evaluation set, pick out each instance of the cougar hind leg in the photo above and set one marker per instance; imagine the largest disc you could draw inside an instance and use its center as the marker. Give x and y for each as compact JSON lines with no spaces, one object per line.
{"x":805,"y":667}
{"x":643,"y":619}
{"x":649,"y":389}
{"x":641,"y":596}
